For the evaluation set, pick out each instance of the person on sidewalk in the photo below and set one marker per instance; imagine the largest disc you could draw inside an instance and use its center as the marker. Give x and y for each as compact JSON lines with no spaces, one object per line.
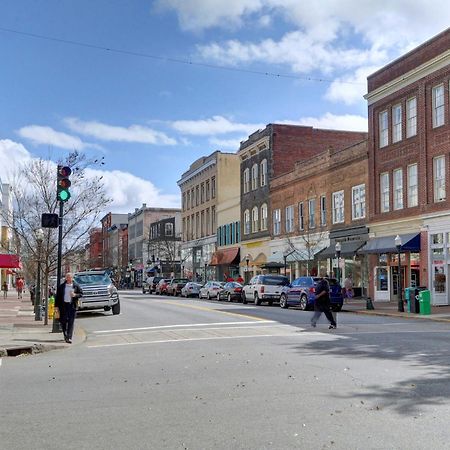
{"x":347,"y":290}
{"x":5,"y":289}
{"x":19,"y":287}
{"x":322,"y":303}
{"x":67,"y":296}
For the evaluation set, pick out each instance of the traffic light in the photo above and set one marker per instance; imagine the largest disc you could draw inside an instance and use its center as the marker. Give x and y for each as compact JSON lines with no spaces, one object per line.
{"x":63,"y":183}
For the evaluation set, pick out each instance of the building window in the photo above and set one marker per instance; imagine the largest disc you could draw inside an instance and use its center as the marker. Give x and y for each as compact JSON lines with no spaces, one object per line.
{"x":188,"y":200}
{"x":398,"y":188}
{"x":197,"y":195}
{"x":213,"y":187}
{"x":289,"y":225}
{"x":246,"y":221}
{"x":183,"y":233}
{"x":301,"y":217}
{"x":396,"y":123}
{"x":277,"y":221}
{"x":359,"y":202}
{"x":168,"y":229}
{"x":192,"y":226}
{"x":323,"y":210}
{"x":246,"y":180}
{"x":202,"y":193}
{"x":383,"y":127}
{"x":411,"y":117}
{"x":413,"y":199}
{"x":213,"y":218}
{"x":197,"y":226}
{"x":264,"y":217}
{"x":384,"y":192}
{"x":312,"y":212}
{"x":438,"y":106}
{"x":183,"y":202}
{"x":208,"y":223}
{"x":263,"y":172}
{"x":439,"y":178}
{"x":255,"y":220}
{"x":208,"y":191}
{"x":254,"y":177}
{"x":338,"y":207}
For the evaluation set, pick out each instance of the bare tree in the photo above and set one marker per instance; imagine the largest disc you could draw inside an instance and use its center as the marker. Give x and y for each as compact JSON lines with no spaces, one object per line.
{"x":34,"y":193}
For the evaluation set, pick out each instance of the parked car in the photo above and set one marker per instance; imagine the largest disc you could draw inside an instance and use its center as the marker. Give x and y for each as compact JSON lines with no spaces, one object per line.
{"x":210,"y":289}
{"x":191,"y":289}
{"x":302,"y":292}
{"x":175,"y":285}
{"x":231,"y":291}
{"x":161,"y":287}
{"x":152,"y":283}
{"x":262,"y":288}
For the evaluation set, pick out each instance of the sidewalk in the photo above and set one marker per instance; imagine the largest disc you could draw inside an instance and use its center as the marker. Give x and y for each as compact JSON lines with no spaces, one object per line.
{"x":358,"y":306}
{"x":21,"y":334}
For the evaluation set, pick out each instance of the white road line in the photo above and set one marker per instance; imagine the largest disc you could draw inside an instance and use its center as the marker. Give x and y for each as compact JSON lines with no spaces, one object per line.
{"x":188,"y":325}
{"x":189,"y":339}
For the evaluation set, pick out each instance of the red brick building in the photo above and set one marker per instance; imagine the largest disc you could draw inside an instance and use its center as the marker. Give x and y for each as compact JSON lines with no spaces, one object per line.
{"x":409,"y":152}
{"x":95,"y":248}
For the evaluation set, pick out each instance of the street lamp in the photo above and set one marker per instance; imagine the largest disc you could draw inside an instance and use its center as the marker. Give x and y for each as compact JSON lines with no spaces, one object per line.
{"x":338,"y":248}
{"x":206,"y":265}
{"x":247,"y":259}
{"x":37,"y":302}
{"x":398,"y":244}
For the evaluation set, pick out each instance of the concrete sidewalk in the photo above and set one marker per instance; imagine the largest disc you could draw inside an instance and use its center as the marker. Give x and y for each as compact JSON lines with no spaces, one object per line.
{"x":21,"y":334}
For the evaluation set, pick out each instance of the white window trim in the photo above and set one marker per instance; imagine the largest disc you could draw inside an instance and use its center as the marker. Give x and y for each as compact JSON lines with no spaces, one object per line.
{"x":323,"y":210}
{"x":277,"y":222}
{"x":263,"y":172}
{"x":440,"y":106}
{"x":411,"y":130}
{"x":337,"y":219}
{"x":301,"y":216}
{"x":397,"y":189}
{"x":383,"y":133}
{"x":413,"y":187}
{"x":359,"y":208}
{"x":255,"y":219}
{"x":397,"y":125}
{"x":246,"y":180}
{"x":264,"y":216}
{"x":289,"y":219}
{"x":311,"y":223}
{"x":439,"y":183}
{"x":247,"y":224}
{"x":383,"y":206}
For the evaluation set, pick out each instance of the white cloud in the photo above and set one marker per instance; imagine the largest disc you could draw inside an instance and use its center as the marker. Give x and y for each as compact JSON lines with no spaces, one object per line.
{"x":226,"y":144}
{"x":126,"y":190}
{"x":213,"y":126}
{"x":330,"y":121}
{"x":41,"y":135}
{"x":105,"y":132}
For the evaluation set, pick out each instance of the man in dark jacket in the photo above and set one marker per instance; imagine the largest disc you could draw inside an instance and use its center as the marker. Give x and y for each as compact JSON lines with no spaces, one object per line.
{"x":66,"y":301}
{"x":322,"y":303}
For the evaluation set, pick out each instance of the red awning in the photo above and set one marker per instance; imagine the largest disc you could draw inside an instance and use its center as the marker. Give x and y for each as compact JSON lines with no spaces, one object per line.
{"x":225,"y":256}
{"x":8,"y":261}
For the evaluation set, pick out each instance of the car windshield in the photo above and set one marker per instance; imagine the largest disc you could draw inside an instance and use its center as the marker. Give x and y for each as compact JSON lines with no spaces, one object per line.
{"x":96,"y":278}
{"x":180,"y":280}
{"x":275,"y":281}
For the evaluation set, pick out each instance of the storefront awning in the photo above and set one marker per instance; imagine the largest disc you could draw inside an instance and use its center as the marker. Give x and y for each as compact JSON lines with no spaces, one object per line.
{"x":8,"y":261}
{"x":258,"y":261}
{"x":226,"y":256}
{"x":348,"y":248}
{"x":386,"y":244}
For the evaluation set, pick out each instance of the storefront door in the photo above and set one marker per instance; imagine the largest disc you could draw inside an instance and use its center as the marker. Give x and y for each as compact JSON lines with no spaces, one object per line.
{"x":382,"y":284}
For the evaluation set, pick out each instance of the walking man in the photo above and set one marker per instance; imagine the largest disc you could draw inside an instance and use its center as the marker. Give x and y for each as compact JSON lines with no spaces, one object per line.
{"x":5,"y":289}
{"x":66,"y":301}
{"x":322,"y":303}
{"x":19,"y":286}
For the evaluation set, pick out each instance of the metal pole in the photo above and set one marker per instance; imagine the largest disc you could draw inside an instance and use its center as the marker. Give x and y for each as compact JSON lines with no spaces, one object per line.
{"x":37,"y":301}
{"x":285,"y":269}
{"x":56,"y":325}
{"x":399,"y":279}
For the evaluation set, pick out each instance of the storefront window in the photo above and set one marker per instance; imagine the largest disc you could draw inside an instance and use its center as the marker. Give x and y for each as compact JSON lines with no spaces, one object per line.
{"x":437,"y":238}
{"x":439,"y":279}
{"x":382,"y":279}
{"x":383,"y":259}
{"x":438,"y":253}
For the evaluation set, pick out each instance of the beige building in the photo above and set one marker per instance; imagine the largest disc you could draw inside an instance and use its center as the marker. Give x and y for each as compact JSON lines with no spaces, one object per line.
{"x":210,"y":184}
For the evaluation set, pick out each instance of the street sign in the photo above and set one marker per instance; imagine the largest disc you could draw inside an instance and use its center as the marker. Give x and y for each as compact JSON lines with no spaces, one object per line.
{"x":49,"y":220}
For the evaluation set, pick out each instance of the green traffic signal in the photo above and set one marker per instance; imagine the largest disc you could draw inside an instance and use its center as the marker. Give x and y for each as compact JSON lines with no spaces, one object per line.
{"x":63,"y":183}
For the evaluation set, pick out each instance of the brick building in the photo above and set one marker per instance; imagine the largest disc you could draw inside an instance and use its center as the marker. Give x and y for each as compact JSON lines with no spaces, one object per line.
{"x":409,"y":151}
{"x":95,"y":251}
{"x":265,"y":155}
{"x":320,"y":202}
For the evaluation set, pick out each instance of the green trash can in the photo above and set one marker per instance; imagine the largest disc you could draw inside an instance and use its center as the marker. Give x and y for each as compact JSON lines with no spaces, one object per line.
{"x":425,"y":302}
{"x":409,"y":291}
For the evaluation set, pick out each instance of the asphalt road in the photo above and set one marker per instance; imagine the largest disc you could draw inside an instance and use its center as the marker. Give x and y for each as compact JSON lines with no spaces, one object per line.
{"x":171,"y":373}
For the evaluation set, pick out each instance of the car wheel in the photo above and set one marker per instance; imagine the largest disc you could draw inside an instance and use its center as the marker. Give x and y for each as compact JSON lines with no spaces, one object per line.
{"x":244,"y":298}
{"x":229,"y":298}
{"x":218,"y":297}
{"x":116,"y":308}
{"x":303,"y":302}
{"x":283,"y":302}
{"x":257,"y":299}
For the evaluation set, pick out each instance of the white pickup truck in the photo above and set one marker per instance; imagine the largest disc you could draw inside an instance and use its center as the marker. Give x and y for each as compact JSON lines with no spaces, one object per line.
{"x":264,"y":288}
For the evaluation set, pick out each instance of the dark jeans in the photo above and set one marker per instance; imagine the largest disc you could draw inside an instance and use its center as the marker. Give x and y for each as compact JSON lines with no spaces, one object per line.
{"x":322,"y":308}
{"x":67,"y":316}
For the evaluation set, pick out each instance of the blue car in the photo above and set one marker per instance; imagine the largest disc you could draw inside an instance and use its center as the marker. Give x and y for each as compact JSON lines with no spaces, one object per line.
{"x":302,"y":292}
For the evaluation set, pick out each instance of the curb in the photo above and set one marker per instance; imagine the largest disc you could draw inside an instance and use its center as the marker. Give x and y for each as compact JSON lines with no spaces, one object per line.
{"x":387,"y":314}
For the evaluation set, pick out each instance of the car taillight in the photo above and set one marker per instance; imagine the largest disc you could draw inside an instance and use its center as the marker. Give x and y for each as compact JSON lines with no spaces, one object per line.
{"x":312,"y":290}
{"x":238,"y":290}
{"x":262,"y":289}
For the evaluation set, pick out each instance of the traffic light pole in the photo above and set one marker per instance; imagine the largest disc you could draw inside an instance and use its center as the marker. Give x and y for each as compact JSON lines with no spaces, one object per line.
{"x":56,"y":326}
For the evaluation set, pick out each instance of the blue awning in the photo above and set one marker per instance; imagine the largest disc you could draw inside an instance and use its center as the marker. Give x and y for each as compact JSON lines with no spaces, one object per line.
{"x":386,"y":244}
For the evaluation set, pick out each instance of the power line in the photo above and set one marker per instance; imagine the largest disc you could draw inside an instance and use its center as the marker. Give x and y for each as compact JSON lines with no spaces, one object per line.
{"x":167,"y":59}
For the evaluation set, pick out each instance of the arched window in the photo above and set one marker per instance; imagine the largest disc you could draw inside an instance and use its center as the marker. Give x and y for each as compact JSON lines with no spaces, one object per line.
{"x":254,"y":177}
{"x":263,"y":172}
{"x":255,"y":221}
{"x":246,"y":180}
{"x":246,"y":221}
{"x":264,"y":217}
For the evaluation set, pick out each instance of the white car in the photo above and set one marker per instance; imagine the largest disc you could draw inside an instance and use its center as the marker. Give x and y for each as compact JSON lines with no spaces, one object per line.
{"x":210,"y":289}
{"x":264,"y":288}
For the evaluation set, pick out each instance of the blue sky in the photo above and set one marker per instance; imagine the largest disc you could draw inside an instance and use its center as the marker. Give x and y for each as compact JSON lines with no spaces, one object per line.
{"x":151,"y":117}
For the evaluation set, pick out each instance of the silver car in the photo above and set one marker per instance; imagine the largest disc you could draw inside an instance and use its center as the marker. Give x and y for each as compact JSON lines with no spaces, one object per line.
{"x":191,"y":289}
{"x":210,"y":289}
